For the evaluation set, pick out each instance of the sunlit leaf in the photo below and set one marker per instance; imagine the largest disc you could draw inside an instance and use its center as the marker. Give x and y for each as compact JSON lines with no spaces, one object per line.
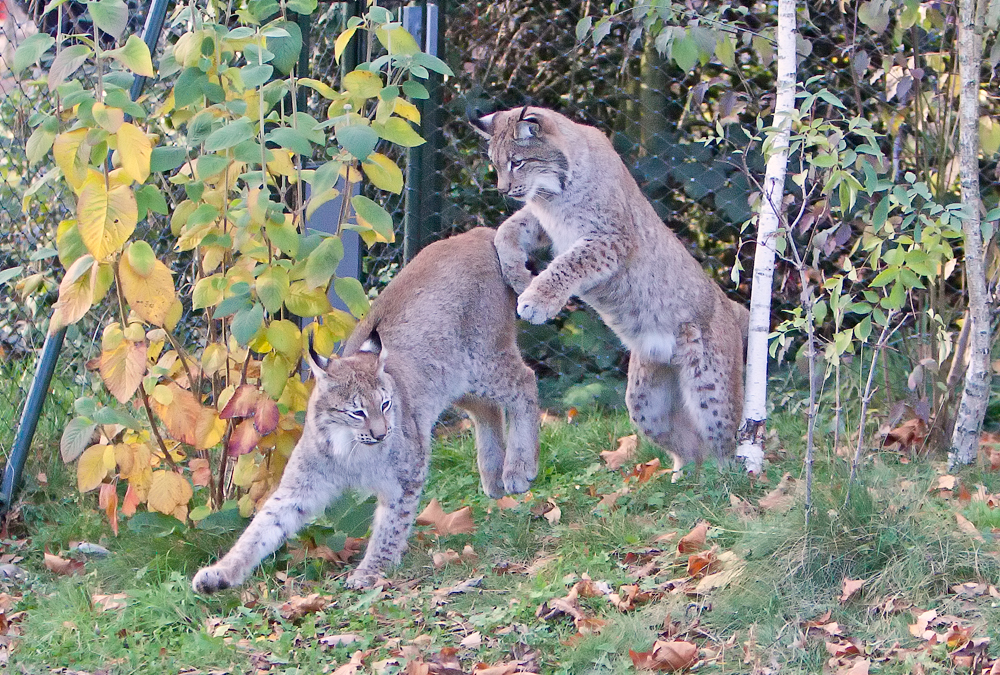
{"x":111,"y":16}
{"x":353,"y":294}
{"x":384,"y":173}
{"x":76,"y":438}
{"x":30,"y":50}
{"x":134,"y":55}
{"x":134,"y":149}
{"x":105,"y":217}
{"x":168,"y":491}
{"x":151,"y":295}
{"x":91,"y":470}
{"x":122,"y":369}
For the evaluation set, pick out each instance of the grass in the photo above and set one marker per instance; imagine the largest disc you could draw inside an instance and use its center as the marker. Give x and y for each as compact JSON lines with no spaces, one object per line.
{"x":895,"y":532}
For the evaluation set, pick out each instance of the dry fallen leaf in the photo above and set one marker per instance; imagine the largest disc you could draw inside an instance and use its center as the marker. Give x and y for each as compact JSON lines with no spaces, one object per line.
{"x":646,"y":471}
{"x":781,"y":498}
{"x":627,"y":447}
{"x":666,"y":656}
{"x":339,"y":640}
{"x":443,"y":558}
{"x":946,"y":482}
{"x":859,"y":668}
{"x":851,"y":586}
{"x":507,"y":502}
{"x":908,"y":434}
{"x":693,"y":540}
{"x":298,"y":606}
{"x":65,"y":566}
{"x":921,"y":629}
{"x":699,"y":564}
{"x":472,"y":640}
{"x":456,"y":522}
{"x":965,"y":525}
{"x":107,"y":603}
{"x":352,"y":667}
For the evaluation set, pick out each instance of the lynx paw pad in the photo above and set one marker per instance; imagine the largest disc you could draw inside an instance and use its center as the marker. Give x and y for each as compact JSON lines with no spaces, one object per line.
{"x":517,"y":479}
{"x":211,"y":579}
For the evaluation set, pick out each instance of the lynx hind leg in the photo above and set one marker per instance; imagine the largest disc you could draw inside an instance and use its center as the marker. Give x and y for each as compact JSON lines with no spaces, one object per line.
{"x":509,"y":383}
{"x":487,"y":416}
{"x":655,"y":407}
{"x":306,"y":488}
{"x":707,"y":388}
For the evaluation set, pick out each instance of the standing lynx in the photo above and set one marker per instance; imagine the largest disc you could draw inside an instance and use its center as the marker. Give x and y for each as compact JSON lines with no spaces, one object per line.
{"x":685,"y":379}
{"x":442,"y":332}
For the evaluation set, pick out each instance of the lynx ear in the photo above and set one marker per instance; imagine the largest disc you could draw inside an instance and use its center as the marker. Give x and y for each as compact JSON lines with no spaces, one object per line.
{"x":484,"y":125}
{"x":317,"y":363}
{"x":373,"y":345}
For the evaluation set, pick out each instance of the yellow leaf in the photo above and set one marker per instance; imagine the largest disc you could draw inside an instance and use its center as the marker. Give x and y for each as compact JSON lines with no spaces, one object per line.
{"x":105,"y":218}
{"x":91,"y":469}
{"x":383,"y":172}
{"x":76,"y":293}
{"x":213,"y":358}
{"x":134,"y":149}
{"x":167,"y":491}
{"x":110,"y":461}
{"x":110,"y":119}
{"x":65,"y":149}
{"x":340,"y":44}
{"x":406,"y":110}
{"x":122,"y":369}
{"x":151,"y":296}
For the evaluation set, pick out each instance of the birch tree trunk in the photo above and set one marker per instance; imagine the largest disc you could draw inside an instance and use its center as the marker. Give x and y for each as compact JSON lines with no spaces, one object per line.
{"x":975,"y":395}
{"x":750,"y":437}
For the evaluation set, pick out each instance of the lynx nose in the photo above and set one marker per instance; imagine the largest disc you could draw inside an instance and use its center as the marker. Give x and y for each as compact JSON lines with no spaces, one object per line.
{"x":503,"y":185}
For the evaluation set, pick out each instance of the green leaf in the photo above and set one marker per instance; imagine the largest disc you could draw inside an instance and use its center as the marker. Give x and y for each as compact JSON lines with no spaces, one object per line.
{"x":284,"y":236}
{"x":601,"y":30}
{"x":684,"y":52}
{"x":166,"y":159}
{"x":149,"y":198}
{"x":322,"y":262}
{"x":76,"y":438}
{"x":272,"y":288}
{"x":254,"y":76}
{"x":725,"y":51}
{"x":66,"y":63}
{"x":358,"y":139}
{"x":286,"y":50}
{"x":432,"y":63}
{"x":41,"y":139}
{"x":374,"y":216}
{"x":415,"y":90}
{"x":208,"y":292}
{"x":291,"y":139}
{"x":303,"y":7}
{"x":247,"y":322}
{"x":111,"y":16}
{"x":190,"y":88}
{"x":210,"y":165}
{"x":229,"y":135}
{"x":583,"y":27}
{"x":134,"y":55}
{"x":29,"y":51}
{"x":397,"y":130}
{"x":231,"y":305}
{"x":155,"y":524}
{"x":353,"y":294}
{"x":141,"y":258}
{"x":10,"y":273}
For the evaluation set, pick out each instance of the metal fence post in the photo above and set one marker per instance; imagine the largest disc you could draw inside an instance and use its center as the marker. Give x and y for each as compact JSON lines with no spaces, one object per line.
{"x":423,"y":185}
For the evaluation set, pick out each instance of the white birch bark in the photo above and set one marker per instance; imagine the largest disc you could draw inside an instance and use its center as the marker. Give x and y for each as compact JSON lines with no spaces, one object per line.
{"x":975,"y":395}
{"x":750,"y":437}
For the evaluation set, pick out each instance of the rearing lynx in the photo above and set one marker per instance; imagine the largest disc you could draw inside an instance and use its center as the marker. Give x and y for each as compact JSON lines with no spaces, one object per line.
{"x":442,"y":332}
{"x":685,"y":380}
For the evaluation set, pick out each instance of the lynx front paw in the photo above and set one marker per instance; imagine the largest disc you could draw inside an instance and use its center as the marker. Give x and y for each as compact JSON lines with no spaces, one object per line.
{"x":363,"y":578}
{"x":538,"y":307}
{"x":215,"y":578}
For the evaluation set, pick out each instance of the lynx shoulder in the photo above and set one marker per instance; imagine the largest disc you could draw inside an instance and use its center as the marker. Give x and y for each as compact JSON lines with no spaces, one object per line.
{"x":612,"y":250}
{"x":442,"y":332}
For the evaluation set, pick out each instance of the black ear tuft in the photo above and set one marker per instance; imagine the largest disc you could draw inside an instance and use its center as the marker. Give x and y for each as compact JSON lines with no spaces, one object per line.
{"x":317,"y":363}
{"x":484,"y":124}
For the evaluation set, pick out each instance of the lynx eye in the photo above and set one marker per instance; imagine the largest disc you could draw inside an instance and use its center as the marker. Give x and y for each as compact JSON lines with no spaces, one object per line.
{"x":385,"y":405}
{"x":358,"y":414}
{"x":516,"y":164}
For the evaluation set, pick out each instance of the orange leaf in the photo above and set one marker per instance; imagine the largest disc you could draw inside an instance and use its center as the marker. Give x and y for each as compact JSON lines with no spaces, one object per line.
{"x":507,"y":502}
{"x":187,"y":420}
{"x":242,"y":403}
{"x":456,"y":522}
{"x":298,"y":606}
{"x":647,"y":471}
{"x":693,"y":540}
{"x":64,"y":566}
{"x":965,"y":525}
{"x":108,"y":500}
{"x":851,"y":586}
{"x":130,"y":502}
{"x":666,"y":656}
{"x":244,"y":438}
{"x":201,"y":472}
{"x":627,"y":447}
{"x":168,"y":491}
{"x":909,"y":433}
{"x":699,"y":564}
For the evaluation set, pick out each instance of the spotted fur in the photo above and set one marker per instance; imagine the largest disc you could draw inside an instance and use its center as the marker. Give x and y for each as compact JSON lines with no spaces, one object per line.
{"x":442,"y":332}
{"x":687,"y":339}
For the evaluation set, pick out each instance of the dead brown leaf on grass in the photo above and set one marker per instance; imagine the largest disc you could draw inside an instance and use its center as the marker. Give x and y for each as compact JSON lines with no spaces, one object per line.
{"x":666,"y":656}
{"x":627,"y":448}
{"x":694,"y":540}
{"x":339,"y":640}
{"x":353,"y":667}
{"x":700,"y":564}
{"x":64,"y":566}
{"x":850,"y":587}
{"x":781,"y":498}
{"x":965,"y":525}
{"x":859,"y":667}
{"x":108,"y":603}
{"x":298,"y":606}
{"x":647,"y":471}
{"x":908,"y":434}
{"x":456,"y":522}
{"x":507,"y":502}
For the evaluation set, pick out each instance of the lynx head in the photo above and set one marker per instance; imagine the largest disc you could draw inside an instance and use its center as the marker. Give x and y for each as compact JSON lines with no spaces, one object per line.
{"x":530,"y":151}
{"x":352,"y":393}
